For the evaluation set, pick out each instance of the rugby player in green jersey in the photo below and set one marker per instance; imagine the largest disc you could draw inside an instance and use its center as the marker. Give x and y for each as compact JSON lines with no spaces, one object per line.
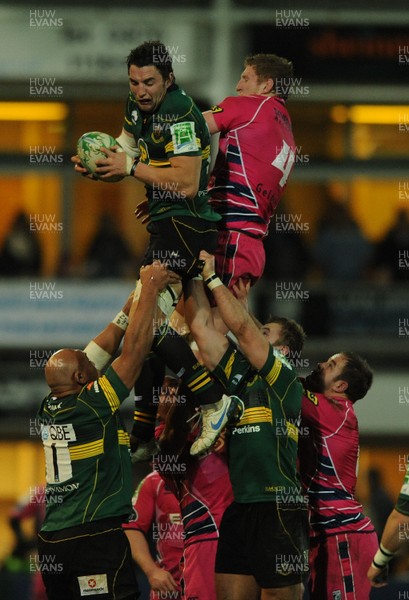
{"x":263,"y":545}
{"x":82,"y":547}
{"x":166,"y":145}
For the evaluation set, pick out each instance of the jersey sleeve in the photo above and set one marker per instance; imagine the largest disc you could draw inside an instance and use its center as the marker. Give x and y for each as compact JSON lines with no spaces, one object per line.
{"x":228,"y":114}
{"x":319,"y":413}
{"x":232,"y":369}
{"x":106,"y":392}
{"x":127,"y":125}
{"x":144,"y":506}
{"x":310,"y":409}
{"x":277,"y":373}
{"x":402,"y":504}
{"x":221,"y":371}
{"x":183,"y":139}
{"x":132,"y":118}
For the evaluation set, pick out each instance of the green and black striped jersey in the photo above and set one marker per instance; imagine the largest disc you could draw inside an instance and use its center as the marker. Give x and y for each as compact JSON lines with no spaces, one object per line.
{"x":262,"y":446}
{"x":87,"y":454}
{"x":176,"y":128}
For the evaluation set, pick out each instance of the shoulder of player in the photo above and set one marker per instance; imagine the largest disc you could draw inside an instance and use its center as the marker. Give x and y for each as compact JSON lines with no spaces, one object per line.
{"x":131,"y":102}
{"x":309,"y":397}
{"x":278,"y":370}
{"x":147,"y":487}
{"x":176,"y":105}
{"x":152,"y":480}
{"x":281,"y":358}
{"x":254,"y":100}
{"x":340,"y":405}
{"x":105,"y":384}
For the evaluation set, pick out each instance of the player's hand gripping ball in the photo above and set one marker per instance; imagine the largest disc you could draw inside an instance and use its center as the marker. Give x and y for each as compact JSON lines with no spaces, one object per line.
{"x":89,"y":151}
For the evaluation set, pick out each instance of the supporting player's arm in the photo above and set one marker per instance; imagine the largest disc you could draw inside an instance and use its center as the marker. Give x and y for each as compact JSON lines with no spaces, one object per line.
{"x":391,"y":541}
{"x":253,"y":343}
{"x":212,"y":343}
{"x":139,"y":335}
{"x":211,"y":122}
{"x":101,"y":349}
{"x":159,"y":579}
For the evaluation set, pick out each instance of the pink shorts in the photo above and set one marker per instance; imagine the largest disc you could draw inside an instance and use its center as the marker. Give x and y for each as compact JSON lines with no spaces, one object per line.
{"x":239,"y":256}
{"x":198,"y":571}
{"x":339,"y":564}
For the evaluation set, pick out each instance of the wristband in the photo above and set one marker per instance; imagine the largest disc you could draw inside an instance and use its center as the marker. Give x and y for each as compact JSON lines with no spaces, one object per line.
{"x":121,"y":320}
{"x":382,"y":557}
{"x":133,"y":167}
{"x":213,"y":281}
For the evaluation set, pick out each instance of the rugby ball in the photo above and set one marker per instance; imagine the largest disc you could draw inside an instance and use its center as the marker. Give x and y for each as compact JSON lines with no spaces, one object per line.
{"x":89,"y":151}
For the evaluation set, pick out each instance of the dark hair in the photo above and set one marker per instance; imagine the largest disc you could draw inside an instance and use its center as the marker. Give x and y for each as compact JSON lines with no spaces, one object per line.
{"x":292,"y":333}
{"x":150,"y":53}
{"x":170,"y":382}
{"x":271,"y":66}
{"x":358,"y":374}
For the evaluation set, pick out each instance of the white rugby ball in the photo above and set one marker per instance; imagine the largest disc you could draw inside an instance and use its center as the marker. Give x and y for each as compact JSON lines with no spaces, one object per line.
{"x":89,"y":151}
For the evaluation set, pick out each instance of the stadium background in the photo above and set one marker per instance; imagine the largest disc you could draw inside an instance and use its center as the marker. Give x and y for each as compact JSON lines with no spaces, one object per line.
{"x":63,"y":73}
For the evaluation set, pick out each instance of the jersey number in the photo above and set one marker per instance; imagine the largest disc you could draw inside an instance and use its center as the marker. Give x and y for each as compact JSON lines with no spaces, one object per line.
{"x":284,"y":162}
{"x":58,"y":462}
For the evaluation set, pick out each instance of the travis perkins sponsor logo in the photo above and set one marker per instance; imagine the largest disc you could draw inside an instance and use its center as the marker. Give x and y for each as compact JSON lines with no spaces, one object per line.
{"x":246,"y":429}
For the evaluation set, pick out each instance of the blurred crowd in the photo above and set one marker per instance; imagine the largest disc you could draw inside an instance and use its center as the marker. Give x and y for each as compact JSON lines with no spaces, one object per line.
{"x":339,"y":251}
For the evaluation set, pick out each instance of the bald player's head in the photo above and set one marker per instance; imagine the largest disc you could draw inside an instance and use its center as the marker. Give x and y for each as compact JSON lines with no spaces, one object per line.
{"x":68,"y":370}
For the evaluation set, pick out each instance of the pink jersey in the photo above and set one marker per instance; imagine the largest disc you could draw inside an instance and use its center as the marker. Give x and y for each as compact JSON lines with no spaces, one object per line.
{"x":204,"y":491}
{"x":203,"y":488}
{"x":204,"y":496}
{"x":256,"y":156}
{"x":155,"y":505}
{"x":328,"y":453}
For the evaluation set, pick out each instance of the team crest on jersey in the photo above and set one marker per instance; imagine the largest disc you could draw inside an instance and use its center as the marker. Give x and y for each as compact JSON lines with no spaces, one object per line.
{"x":135,"y":116}
{"x":312,"y":397}
{"x":157,"y":136}
{"x":143,"y":149}
{"x":216,"y":109}
{"x":53,"y":406}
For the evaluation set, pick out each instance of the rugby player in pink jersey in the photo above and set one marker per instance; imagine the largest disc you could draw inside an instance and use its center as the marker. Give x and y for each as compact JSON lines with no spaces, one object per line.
{"x":156,"y":506}
{"x":342,"y":539}
{"x":255,"y":158}
{"x":202,"y":486}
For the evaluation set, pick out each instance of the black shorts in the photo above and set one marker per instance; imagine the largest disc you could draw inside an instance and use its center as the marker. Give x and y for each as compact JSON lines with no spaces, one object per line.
{"x":91,"y":560}
{"x":177,"y":241}
{"x":265,"y":540}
